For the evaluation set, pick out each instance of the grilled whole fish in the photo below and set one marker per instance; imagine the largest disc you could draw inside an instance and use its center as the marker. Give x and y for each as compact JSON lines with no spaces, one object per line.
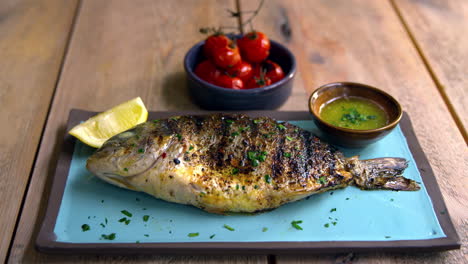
{"x":232,"y":163}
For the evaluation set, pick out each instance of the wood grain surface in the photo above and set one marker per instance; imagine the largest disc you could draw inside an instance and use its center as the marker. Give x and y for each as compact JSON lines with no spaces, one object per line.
{"x":33,"y":37}
{"x":439,"y":29}
{"x":119,"y":50}
{"x":364,"y":41}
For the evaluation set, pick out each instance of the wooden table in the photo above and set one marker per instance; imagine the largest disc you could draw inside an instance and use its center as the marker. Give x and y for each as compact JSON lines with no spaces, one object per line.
{"x":57,"y":55}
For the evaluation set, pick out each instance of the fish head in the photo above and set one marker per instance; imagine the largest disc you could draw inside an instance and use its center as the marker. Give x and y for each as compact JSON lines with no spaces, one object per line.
{"x":127,"y":154}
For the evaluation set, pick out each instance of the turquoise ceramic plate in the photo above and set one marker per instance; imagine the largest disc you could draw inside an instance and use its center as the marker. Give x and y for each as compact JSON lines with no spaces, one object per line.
{"x":91,"y":211}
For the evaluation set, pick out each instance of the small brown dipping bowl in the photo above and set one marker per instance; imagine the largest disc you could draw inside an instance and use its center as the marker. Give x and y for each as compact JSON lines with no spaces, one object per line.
{"x":346,"y":137}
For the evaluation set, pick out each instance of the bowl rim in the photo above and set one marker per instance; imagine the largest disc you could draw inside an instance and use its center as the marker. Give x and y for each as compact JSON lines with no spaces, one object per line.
{"x":358,"y":131}
{"x":287,"y":78}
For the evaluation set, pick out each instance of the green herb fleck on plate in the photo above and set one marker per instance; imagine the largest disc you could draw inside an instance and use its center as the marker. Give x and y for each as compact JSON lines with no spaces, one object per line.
{"x":127,"y":213}
{"x":267,"y":178}
{"x":264,"y":229}
{"x":211,"y":237}
{"x":289,"y":138}
{"x":327,"y":225}
{"x":296,"y":225}
{"x":287,"y":154}
{"x":146,"y":218}
{"x":108,"y":237}
{"x":85,"y":228}
{"x":333,"y":210}
{"x":229,"y":228}
{"x":193,"y":234}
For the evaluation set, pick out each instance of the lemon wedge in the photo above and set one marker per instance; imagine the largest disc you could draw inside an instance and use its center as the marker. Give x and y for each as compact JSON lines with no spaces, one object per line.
{"x":96,"y":130}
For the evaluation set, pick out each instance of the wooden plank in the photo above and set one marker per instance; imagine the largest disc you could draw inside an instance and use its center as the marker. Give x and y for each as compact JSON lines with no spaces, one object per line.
{"x":33,"y":37}
{"x":120,"y":50}
{"x":439,"y":30}
{"x":364,"y":41}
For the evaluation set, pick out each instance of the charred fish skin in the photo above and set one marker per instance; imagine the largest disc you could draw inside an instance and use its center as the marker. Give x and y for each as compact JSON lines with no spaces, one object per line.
{"x":232,"y":163}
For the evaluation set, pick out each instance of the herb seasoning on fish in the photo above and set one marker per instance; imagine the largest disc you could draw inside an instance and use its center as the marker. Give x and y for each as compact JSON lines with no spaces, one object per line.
{"x":228,"y":174}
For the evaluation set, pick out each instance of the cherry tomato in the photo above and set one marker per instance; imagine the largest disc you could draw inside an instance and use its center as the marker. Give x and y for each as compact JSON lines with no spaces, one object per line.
{"x":207,"y":71}
{"x":254,"y":46}
{"x":213,"y":42}
{"x":227,"y":81}
{"x":226,"y":57}
{"x":243,"y":70}
{"x":257,"y":82}
{"x":271,"y":69}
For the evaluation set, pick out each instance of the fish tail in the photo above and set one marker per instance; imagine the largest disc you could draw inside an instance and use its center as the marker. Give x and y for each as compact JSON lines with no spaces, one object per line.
{"x":381,"y":173}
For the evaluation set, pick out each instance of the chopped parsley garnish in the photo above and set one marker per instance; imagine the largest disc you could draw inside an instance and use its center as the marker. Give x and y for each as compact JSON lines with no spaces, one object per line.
{"x":191,"y":147}
{"x":289,"y":138}
{"x":354,"y":117}
{"x":179,"y":136}
{"x":243,"y":188}
{"x":255,"y":163}
{"x":145,"y":218}
{"x":235,"y":171}
{"x":127,"y":213}
{"x":102,"y":201}
{"x":85,"y":228}
{"x":256,"y":121}
{"x":193,"y":234}
{"x":105,"y":220}
{"x":229,"y":121}
{"x":141,"y":150}
{"x":281,"y":127}
{"x":234,"y":134}
{"x":242,"y":129}
{"x":267,"y":178}
{"x":322,"y":180}
{"x":237,"y":186}
{"x":391,"y":200}
{"x":229,"y":228}
{"x":108,"y":237}
{"x":156,"y":121}
{"x":211,"y":237}
{"x":347,"y":198}
{"x":174,"y":118}
{"x":334,"y":223}
{"x":264,"y":229}
{"x":333,"y":210}
{"x":125,"y":169}
{"x":102,"y":225}
{"x":296,"y":225}
{"x":256,"y":187}
{"x":256,"y":156}
{"x":146,"y":235}
{"x":387,"y":236}
{"x":287,"y":154}
{"x":327,"y":225}
{"x":122,"y":219}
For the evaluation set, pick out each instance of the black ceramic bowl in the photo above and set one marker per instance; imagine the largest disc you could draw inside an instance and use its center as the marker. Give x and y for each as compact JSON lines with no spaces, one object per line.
{"x":213,"y":97}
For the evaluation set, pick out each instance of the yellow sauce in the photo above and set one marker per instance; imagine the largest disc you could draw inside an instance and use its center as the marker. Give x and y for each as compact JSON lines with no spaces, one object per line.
{"x":354,"y":113}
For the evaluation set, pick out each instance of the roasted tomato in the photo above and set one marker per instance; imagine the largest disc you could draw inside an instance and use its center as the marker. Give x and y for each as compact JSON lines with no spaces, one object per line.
{"x":227,"y":81}
{"x":207,"y":71}
{"x":243,"y":70}
{"x":213,"y":42}
{"x":254,"y":46}
{"x":271,"y":70}
{"x":256,"y":82}
{"x":226,"y":57}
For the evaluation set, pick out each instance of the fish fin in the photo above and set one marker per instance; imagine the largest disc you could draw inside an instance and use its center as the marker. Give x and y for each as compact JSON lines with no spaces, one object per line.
{"x":381,"y":173}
